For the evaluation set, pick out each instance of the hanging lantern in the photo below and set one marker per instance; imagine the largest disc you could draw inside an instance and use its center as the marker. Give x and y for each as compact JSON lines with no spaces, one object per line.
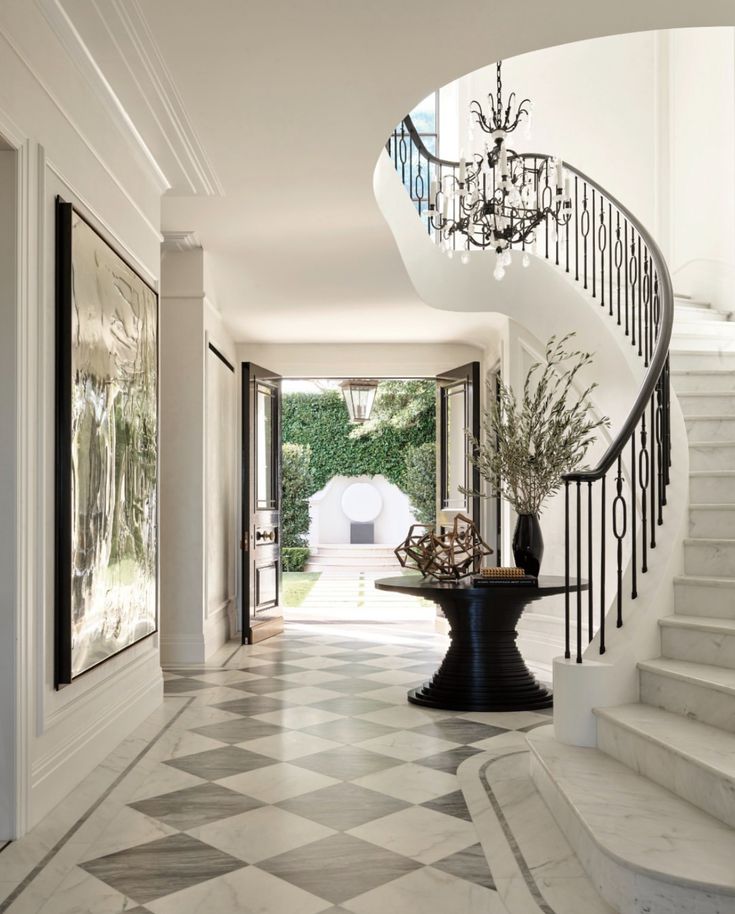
{"x":359,"y":396}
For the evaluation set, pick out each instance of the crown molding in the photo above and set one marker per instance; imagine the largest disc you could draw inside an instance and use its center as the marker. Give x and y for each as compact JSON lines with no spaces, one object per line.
{"x":137,"y":88}
{"x":180,"y":241}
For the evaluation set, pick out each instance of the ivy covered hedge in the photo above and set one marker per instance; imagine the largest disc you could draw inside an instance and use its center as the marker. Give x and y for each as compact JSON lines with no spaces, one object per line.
{"x":320,"y":422}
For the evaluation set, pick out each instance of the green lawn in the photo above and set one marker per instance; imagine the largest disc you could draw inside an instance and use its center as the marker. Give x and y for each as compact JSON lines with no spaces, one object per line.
{"x":297,"y":585}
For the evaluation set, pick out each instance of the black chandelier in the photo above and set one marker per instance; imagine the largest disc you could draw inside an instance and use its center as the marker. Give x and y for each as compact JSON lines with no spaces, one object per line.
{"x":497,"y":199}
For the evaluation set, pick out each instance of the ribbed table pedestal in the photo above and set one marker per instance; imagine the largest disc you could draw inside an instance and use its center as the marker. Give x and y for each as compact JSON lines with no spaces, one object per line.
{"x":483,"y":670}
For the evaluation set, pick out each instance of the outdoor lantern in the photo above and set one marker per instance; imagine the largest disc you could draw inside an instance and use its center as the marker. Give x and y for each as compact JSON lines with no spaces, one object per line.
{"x":359,"y":397}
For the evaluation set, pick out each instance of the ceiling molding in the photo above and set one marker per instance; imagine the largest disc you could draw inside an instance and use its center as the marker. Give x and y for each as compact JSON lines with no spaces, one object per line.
{"x":137,"y":88}
{"x":180,"y":241}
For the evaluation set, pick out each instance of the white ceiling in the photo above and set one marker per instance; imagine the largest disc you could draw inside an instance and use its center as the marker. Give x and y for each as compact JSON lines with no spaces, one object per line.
{"x":268,"y":119}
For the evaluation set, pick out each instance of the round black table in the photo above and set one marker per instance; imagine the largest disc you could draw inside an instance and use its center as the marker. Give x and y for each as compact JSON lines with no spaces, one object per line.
{"x":483,"y":669}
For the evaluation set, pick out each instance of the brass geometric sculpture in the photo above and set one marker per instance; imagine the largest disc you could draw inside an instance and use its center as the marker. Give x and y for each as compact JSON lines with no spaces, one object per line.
{"x":444,"y":556}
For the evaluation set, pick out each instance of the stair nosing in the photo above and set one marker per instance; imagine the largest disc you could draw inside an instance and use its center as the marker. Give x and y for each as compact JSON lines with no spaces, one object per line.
{"x":703,"y":580}
{"x":608,"y":714}
{"x":650,"y":666}
{"x":700,"y":623}
{"x":696,"y":540}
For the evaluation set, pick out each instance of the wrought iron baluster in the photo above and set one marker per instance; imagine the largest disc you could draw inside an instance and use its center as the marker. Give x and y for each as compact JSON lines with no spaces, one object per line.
{"x":620,"y":524}
{"x":590,"y":582}
{"x":585,"y":225}
{"x":618,"y":264}
{"x":594,"y":245}
{"x":576,"y":230}
{"x":603,"y":535}
{"x":633,"y":522}
{"x":567,"y":607}
{"x":654,"y":476}
{"x":643,"y":479}
{"x":579,"y":572}
{"x":602,"y":244}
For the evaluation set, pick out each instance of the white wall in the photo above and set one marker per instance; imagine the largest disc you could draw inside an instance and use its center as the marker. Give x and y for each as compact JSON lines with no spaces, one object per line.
{"x":198,"y":454}
{"x":66,"y":144}
{"x":330,"y":524}
{"x":698,"y":153}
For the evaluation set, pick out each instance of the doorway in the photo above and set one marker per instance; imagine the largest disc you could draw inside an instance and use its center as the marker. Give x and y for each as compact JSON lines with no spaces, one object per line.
{"x":343,"y":494}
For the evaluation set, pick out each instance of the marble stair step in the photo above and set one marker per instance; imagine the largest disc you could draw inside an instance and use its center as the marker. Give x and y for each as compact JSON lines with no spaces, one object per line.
{"x":707,"y":338}
{"x":693,"y":760}
{"x":709,"y":428}
{"x":717,"y":520}
{"x":690,"y":357}
{"x":685,"y":313}
{"x":704,"y":596}
{"x":712,"y":455}
{"x":712,"y":486}
{"x":711,"y":557}
{"x":689,"y":302}
{"x":706,"y":403}
{"x":696,"y":690}
{"x":645,"y":849}
{"x":699,"y":639}
{"x":704,"y":379}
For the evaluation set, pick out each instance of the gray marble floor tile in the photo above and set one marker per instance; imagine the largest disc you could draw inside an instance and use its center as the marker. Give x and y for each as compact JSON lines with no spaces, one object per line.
{"x":448,"y":761}
{"x":220,"y":763}
{"x":459,"y":731}
{"x":339,"y":867}
{"x":344,"y":806}
{"x":159,"y":868}
{"x":186,"y":684}
{"x":469,"y":864}
{"x":346,"y":762}
{"x":256,"y":687}
{"x":258,"y":704}
{"x":453,"y":804}
{"x":350,"y":705}
{"x":348,"y":730}
{"x":354,"y":668}
{"x":425,"y":669}
{"x":352,"y":686}
{"x":194,"y":806}
{"x":238,"y":730}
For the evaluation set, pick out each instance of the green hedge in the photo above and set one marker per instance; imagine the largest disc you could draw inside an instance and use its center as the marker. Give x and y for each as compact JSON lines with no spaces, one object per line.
{"x":321,"y":422}
{"x":294,"y":558}
{"x":297,"y":485}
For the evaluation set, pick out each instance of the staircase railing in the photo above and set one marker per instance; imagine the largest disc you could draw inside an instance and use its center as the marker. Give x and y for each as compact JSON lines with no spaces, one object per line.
{"x":612,"y":255}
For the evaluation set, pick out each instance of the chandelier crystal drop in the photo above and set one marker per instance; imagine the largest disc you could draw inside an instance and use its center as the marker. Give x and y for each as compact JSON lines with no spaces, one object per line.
{"x":498,"y":198}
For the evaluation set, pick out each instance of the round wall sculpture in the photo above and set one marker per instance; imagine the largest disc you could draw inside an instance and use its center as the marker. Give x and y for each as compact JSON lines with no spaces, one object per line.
{"x":362,"y":502}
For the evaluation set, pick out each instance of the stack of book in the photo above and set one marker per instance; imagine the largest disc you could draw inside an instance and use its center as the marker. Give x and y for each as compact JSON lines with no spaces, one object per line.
{"x":504,"y":577}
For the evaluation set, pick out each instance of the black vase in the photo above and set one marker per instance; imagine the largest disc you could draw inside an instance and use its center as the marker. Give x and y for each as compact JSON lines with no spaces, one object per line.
{"x":528,"y":544}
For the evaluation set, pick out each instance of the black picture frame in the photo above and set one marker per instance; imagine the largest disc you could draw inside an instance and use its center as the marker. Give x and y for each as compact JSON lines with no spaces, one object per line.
{"x":65,"y":215}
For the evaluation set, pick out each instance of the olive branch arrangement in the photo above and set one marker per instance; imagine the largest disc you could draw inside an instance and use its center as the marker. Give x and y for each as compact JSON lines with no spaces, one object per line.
{"x":530,"y":442}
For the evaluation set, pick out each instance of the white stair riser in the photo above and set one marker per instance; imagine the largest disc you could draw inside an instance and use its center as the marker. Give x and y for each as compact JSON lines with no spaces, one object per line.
{"x":700,"y":702}
{"x":712,"y":522}
{"x":709,"y":342}
{"x":718,"y":381}
{"x":707,"y":405}
{"x":337,"y":562}
{"x":692,"y":360}
{"x":704,"y":328}
{"x":712,"y":490}
{"x":711,"y":791}
{"x":711,"y":457}
{"x":702,"y":600}
{"x":710,"y":429}
{"x":715,"y":648}
{"x":710,"y":558}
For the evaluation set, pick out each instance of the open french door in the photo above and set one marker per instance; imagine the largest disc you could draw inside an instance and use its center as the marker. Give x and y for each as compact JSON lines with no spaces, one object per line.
{"x":457,"y":412}
{"x":261,"y":504}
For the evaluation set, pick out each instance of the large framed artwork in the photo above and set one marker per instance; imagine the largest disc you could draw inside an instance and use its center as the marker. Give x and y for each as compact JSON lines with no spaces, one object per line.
{"x":106,"y":450}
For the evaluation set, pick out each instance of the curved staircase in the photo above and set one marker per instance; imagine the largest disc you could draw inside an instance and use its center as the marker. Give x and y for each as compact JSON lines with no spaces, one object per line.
{"x":651,"y":811}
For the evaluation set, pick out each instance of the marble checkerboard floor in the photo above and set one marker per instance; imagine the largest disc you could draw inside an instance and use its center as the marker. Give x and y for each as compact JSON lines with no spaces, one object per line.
{"x":292,"y":779}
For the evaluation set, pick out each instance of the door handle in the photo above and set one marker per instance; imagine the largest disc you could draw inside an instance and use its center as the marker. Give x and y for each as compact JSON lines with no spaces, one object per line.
{"x":265,"y":535}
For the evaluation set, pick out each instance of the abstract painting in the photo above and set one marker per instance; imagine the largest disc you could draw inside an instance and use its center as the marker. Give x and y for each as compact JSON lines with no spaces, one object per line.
{"x":106,"y":450}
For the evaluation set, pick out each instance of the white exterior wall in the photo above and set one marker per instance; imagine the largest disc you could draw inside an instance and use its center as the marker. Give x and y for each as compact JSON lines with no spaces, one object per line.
{"x":330,"y":524}
{"x":66,"y":144}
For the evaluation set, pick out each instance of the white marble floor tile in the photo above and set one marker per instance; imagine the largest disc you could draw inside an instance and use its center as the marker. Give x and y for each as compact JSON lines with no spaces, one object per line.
{"x":391,"y":695}
{"x":309,"y":677}
{"x":246,"y":891}
{"x":261,"y":833}
{"x":407,"y":745}
{"x":410,"y":782}
{"x":316,"y":663}
{"x":277,"y":782}
{"x":177,"y":743}
{"x":421,"y":833}
{"x":165,"y":779}
{"x":427,"y":891}
{"x":393,"y":677}
{"x":404,"y":716}
{"x":81,"y":893}
{"x":508,"y":720}
{"x":290,"y":744}
{"x":304,"y":695}
{"x":298,"y":718}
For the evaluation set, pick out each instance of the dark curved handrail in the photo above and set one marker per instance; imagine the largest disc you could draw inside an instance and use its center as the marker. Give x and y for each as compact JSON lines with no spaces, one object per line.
{"x":661,"y":350}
